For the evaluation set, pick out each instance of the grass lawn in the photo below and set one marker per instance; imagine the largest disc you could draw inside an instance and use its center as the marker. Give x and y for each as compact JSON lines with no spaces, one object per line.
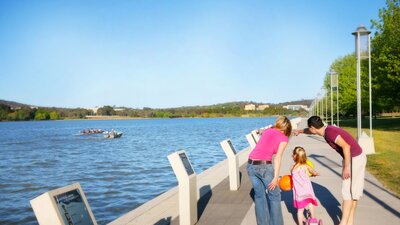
{"x":385,"y":164}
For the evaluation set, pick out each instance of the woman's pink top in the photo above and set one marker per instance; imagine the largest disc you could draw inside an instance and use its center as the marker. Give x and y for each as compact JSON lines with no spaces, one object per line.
{"x":268,"y":144}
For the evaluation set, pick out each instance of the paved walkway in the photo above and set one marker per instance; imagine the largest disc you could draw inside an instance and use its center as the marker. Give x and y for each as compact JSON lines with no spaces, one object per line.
{"x":377,"y":207}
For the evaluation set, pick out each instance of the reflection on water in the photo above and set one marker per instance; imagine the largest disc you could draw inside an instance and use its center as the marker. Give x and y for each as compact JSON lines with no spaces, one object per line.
{"x":117,"y":175}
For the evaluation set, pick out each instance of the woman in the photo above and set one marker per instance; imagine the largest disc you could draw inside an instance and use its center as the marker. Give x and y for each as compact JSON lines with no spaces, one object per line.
{"x":264,"y":174}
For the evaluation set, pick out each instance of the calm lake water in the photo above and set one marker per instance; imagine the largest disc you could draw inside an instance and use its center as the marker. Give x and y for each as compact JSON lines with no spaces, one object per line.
{"x":117,"y":175}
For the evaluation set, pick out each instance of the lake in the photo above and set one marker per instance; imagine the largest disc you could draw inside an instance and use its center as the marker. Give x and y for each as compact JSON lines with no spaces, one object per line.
{"x":117,"y":175}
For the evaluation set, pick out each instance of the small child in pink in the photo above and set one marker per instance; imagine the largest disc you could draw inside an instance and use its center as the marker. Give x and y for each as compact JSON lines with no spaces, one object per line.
{"x":303,"y":193}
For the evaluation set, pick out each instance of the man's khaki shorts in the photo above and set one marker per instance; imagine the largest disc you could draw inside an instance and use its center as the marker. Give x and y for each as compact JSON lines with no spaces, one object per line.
{"x":352,"y":189}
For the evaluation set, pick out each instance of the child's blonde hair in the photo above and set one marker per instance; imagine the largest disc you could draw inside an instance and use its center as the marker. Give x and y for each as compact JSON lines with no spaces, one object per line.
{"x":299,"y":155}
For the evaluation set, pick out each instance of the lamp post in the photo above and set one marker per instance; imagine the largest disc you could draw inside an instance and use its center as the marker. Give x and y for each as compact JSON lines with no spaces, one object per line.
{"x":322,"y":105}
{"x":326,"y":105}
{"x":337,"y":99}
{"x":313,"y":110}
{"x":361,"y":35}
{"x":319,"y":105}
{"x":370,"y":91}
{"x":331,"y":72}
{"x":363,"y":51}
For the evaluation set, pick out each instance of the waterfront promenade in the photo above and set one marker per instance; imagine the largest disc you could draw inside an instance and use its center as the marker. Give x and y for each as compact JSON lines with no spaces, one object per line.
{"x":218,"y":205}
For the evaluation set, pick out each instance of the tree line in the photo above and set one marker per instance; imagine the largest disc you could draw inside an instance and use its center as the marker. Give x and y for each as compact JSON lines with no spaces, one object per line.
{"x":222,"y":110}
{"x":385,"y":69}
{"x":25,"y":113}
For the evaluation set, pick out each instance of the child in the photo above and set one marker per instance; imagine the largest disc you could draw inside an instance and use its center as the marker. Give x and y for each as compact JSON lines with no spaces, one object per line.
{"x":303,"y":193}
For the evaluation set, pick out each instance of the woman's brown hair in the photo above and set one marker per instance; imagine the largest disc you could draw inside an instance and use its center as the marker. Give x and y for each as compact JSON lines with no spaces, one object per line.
{"x":283,"y":124}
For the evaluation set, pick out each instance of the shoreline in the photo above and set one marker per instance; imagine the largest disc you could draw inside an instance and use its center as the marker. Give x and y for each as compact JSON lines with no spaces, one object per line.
{"x":110,"y":118}
{"x":94,"y":118}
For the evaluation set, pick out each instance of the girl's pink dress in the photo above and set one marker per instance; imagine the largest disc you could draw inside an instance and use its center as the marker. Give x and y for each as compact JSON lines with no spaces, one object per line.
{"x":303,"y":192}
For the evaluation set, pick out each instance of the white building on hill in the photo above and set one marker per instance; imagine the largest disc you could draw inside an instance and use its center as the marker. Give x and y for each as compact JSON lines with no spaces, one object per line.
{"x":296,"y":107}
{"x":262,"y":107}
{"x":250,"y":107}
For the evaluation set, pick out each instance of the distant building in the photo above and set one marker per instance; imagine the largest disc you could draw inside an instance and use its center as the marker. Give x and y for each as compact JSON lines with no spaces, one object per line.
{"x":250,"y":107}
{"x":262,"y":107}
{"x":119,"y":109}
{"x":296,"y":107}
{"x":94,"y":109}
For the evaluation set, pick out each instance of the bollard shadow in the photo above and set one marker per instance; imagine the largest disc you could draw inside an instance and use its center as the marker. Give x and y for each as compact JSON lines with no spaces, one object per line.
{"x":328,"y":201}
{"x":382,"y":203}
{"x":287,"y":198}
{"x":317,"y":138}
{"x":164,"y":221}
{"x":319,"y":157}
{"x":324,"y":161}
{"x":205,"y":193}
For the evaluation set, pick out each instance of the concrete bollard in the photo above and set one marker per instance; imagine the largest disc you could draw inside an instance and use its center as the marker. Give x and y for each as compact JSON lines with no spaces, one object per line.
{"x":233,"y":164}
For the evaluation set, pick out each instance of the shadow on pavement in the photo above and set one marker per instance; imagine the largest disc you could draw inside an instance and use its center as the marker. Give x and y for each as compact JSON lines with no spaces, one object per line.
{"x":205,"y":193}
{"x":287,"y":198}
{"x":325,"y":198}
{"x":319,"y":159}
{"x":324,"y":162}
{"x":165,"y":221}
{"x":328,"y":201}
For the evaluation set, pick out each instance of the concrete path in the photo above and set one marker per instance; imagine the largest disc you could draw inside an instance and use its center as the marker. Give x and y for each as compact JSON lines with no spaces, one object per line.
{"x":218,"y":205}
{"x":377,"y":207}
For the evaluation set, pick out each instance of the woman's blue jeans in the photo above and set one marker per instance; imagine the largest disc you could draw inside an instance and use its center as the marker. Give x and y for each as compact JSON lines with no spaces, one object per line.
{"x":267,"y":203}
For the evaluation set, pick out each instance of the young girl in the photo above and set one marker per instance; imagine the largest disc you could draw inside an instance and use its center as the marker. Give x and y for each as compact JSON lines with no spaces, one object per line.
{"x":303,"y":193}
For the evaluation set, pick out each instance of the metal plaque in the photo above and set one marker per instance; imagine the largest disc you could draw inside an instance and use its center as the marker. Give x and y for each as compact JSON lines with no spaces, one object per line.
{"x":186,"y":163}
{"x":72,"y":208}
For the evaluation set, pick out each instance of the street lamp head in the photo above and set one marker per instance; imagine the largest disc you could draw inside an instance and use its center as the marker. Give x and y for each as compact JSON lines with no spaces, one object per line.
{"x":334,"y":79}
{"x":362,"y":30}
{"x":362,"y":42}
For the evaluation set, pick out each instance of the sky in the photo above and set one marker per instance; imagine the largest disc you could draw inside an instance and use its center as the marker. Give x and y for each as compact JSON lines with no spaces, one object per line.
{"x":160,"y":54}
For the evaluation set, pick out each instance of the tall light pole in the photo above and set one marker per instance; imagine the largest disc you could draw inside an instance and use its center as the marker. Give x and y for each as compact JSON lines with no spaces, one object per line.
{"x":361,"y":35}
{"x":326,"y":105}
{"x":370,"y":92}
{"x":322,"y":105}
{"x":363,"y":51}
{"x":321,"y":113}
{"x":337,"y":99}
{"x":332,"y":73}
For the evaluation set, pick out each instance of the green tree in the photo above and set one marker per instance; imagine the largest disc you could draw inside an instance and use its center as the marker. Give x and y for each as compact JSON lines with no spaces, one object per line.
{"x":13,"y":116}
{"x":345,"y":67}
{"x":106,"y":111}
{"x":54,"y":115}
{"x":386,"y":57}
{"x":26,"y":113}
{"x":42,"y":114}
{"x":4,"y":111}
{"x":79,"y":113}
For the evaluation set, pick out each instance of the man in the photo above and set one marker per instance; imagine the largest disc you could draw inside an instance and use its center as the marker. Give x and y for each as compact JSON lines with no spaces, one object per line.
{"x":354,"y":162}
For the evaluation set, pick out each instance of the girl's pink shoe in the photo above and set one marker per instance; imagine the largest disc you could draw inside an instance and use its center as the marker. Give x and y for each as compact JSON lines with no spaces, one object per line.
{"x":312,"y":221}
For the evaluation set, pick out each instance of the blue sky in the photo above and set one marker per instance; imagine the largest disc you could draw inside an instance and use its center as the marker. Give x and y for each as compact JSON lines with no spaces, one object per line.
{"x":147,"y":53}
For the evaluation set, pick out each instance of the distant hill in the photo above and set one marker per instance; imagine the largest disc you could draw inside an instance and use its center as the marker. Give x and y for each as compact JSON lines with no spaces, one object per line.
{"x":15,"y":111}
{"x":13,"y":105}
{"x":241,"y":104}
